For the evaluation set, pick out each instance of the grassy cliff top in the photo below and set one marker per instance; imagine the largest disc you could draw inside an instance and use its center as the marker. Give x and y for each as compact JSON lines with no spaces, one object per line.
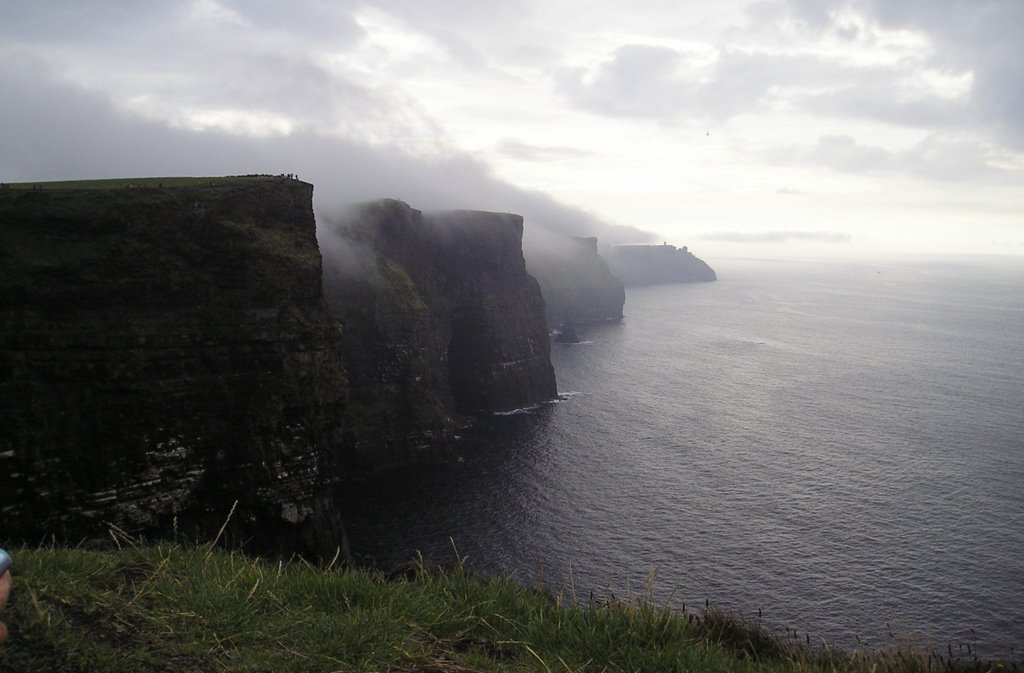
{"x":123,"y":183}
{"x":170,"y":607}
{"x":167,"y":241}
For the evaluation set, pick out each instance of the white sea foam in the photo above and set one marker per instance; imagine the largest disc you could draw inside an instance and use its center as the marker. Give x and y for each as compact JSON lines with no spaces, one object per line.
{"x":516,"y":412}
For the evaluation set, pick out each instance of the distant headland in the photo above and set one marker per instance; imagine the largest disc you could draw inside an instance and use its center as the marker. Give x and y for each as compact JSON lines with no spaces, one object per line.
{"x":652,"y":264}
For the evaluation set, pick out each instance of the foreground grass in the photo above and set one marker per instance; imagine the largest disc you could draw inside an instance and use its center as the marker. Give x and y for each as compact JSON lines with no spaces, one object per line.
{"x":169,"y":607}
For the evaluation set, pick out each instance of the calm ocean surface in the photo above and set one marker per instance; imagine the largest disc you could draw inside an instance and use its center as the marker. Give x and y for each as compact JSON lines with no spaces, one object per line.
{"x":838,"y":445}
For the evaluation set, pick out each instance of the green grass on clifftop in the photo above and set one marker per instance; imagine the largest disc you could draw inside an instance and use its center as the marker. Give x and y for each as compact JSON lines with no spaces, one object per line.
{"x":183,"y":609}
{"x":132,"y":242}
{"x":127,"y":183}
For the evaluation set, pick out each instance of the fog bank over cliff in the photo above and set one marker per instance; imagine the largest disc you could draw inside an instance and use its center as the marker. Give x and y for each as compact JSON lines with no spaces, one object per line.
{"x":57,"y":131}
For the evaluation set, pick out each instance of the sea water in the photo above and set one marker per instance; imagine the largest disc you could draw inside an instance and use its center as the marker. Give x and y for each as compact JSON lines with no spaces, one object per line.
{"x":839,"y":446}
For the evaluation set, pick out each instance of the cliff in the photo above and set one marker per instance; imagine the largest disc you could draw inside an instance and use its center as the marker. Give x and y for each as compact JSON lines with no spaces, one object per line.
{"x":442,"y":318}
{"x":400,"y":408}
{"x":500,"y":352}
{"x":577,"y":285}
{"x":166,"y":351}
{"x":651,"y":264}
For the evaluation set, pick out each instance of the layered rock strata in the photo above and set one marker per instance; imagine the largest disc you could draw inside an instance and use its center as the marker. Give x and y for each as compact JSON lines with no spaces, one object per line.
{"x":167,"y":352}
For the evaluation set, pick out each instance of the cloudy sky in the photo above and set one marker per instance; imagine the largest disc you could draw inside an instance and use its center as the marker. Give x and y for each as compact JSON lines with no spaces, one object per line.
{"x":737,"y":127}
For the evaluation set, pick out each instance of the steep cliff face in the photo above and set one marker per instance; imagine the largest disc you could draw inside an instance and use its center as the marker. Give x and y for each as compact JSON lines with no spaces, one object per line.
{"x":444,"y":319}
{"x":652,"y":264}
{"x":577,"y":285}
{"x":166,"y":352}
{"x":397,"y":330}
{"x":499,"y":353}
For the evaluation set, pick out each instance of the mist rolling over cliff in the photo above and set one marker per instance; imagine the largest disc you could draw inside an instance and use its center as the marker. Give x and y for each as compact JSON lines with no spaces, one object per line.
{"x":577,"y":285}
{"x":441,"y":319}
{"x":345,"y":171}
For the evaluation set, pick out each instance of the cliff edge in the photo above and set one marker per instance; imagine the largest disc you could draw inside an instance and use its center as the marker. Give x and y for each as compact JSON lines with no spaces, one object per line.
{"x":166,"y":353}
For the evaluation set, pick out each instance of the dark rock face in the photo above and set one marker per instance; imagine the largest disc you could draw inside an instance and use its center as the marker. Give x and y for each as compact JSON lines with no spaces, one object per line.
{"x":167,"y":352}
{"x":567,"y":334}
{"x":499,"y":353}
{"x":443,"y":318}
{"x":395,"y":346}
{"x":577,"y":285}
{"x":652,"y":264}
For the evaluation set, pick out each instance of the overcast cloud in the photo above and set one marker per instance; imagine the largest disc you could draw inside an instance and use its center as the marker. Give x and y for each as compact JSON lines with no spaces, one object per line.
{"x":778,"y":236}
{"x":897,"y":121}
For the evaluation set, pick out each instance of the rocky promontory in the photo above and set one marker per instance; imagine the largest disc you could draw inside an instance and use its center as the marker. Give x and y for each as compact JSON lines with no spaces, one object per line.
{"x":652,"y":264}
